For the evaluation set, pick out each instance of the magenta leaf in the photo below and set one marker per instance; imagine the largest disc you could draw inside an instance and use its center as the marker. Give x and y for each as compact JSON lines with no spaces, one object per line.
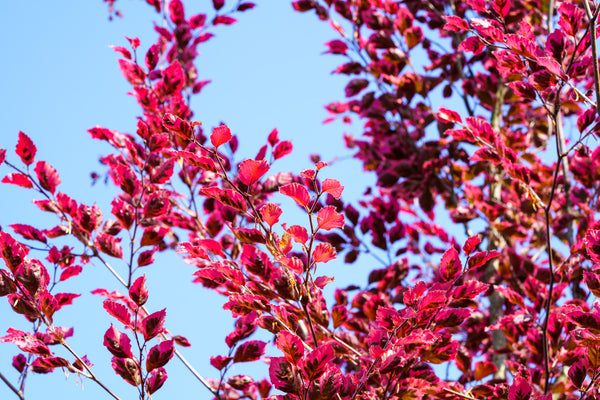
{"x":291,"y":346}
{"x":333,"y":187}
{"x":47,"y":176}
{"x":250,"y":171}
{"x":271,"y":213}
{"x":160,"y":355}
{"x":117,"y":343}
{"x":283,"y":375}
{"x":16,"y":178}
{"x":26,"y":149}
{"x":152,"y":325}
{"x":117,"y":310}
{"x":220,"y":135}
{"x":450,"y":266}
{"x":29,"y":232}
{"x":297,"y":192}
{"x":138,"y":292}
{"x":220,"y":362}
{"x":249,"y":351}
{"x":282,"y":149}
{"x":128,"y":369}
{"x":323,"y":253}
{"x":328,"y":218}
{"x":109,"y":245}
{"x":519,"y":390}
{"x":156,"y":379}
{"x":316,"y":362}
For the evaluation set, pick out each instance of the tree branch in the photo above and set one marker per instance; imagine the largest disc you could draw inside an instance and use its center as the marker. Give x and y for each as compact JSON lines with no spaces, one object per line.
{"x":10,"y":385}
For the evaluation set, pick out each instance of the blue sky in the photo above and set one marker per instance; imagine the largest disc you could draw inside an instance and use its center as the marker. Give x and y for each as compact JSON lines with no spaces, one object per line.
{"x":60,"y":78}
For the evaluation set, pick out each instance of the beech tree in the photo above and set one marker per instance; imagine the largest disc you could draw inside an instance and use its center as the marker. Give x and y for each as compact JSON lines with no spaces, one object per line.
{"x":479,"y":121}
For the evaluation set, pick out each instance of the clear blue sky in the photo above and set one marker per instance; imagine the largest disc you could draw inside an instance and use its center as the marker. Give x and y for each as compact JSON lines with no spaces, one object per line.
{"x":60,"y":78}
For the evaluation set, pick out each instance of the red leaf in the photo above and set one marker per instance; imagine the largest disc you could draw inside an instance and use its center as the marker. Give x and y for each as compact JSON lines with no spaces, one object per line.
{"x":117,"y":343}
{"x":449,"y":116}
{"x":249,"y":351}
{"x":333,"y":187}
{"x":273,"y":138}
{"x":282,"y":149}
{"x":291,"y":346}
{"x":152,"y":325}
{"x":322,"y":281}
{"x":224,"y":20}
{"x":502,"y":7}
{"x":324,"y":252}
{"x":297,"y":192}
{"x":218,"y":4}
{"x":328,"y":218}
{"x":70,"y":272}
{"x":173,"y":78}
{"x":2,"y":155}
{"x":12,"y":252}
{"x":220,"y":135}
{"x":577,"y":373}
{"x":47,"y":176}
{"x":176,"y":12}
{"x":250,"y":171}
{"x":450,"y":266}
{"x":479,"y":259}
{"x":153,"y":235}
{"x":355,"y":86}
{"x":158,"y":204}
{"x":155,"y":380}
{"x":109,"y":245}
{"x":132,"y":72}
{"x":160,"y":355}
{"x":128,"y":369}
{"x":472,"y":44}
{"x":197,"y":161}
{"x":18,"y":179}
{"x":26,"y":149}
{"x":316,"y":362}
{"x":122,"y":50}
{"x":244,"y":7}
{"x":138,"y":292}
{"x":471,"y":244}
{"x":117,"y":310}
{"x":146,"y":258}
{"x":519,"y":390}
{"x":220,"y":362}
{"x":271,"y":213}
{"x":298,"y":233}
{"x":29,"y":232}
{"x":455,"y":24}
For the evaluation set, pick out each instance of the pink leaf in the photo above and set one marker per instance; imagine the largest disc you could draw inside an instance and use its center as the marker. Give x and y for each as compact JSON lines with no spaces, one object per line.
{"x":138,"y":292}
{"x":471,"y":244}
{"x":298,"y":233}
{"x":152,"y":325}
{"x":328,"y":218}
{"x":519,"y":390}
{"x":297,"y":192}
{"x":159,"y":355}
{"x":472,"y":44}
{"x":273,"y":138}
{"x":449,"y":116}
{"x":224,"y":20}
{"x":450,"y":266}
{"x":70,"y":272}
{"x":16,"y":178}
{"x":220,"y":135}
{"x":455,"y":24}
{"x":132,"y":72}
{"x":29,"y":232}
{"x":109,"y":245}
{"x":128,"y":369}
{"x":322,"y":281}
{"x":26,"y":149}
{"x":282,"y":149}
{"x":291,"y":346}
{"x":122,"y":50}
{"x":324,"y":252}
{"x":249,"y":351}
{"x":117,"y":343}
{"x":271,"y":213}
{"x":316,"y":362}
{"x":479,"y":259}
{"x":47,"y":176}
{"x":333,"y":187}
{"x":155,"y":380}
{"x":117,"y":310}
{"x":250,"y":171}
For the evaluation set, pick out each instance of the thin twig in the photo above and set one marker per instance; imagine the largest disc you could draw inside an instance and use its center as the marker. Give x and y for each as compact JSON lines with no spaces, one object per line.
{"x":91,"y":374}
{"x":14,"y":389}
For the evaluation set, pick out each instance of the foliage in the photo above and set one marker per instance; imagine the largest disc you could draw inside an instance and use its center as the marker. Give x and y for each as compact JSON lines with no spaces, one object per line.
{"x":477,"y":118}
